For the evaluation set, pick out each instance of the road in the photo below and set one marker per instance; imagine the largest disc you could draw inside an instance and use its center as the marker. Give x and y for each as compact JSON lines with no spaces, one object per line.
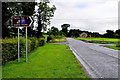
{"x":99,"y":62}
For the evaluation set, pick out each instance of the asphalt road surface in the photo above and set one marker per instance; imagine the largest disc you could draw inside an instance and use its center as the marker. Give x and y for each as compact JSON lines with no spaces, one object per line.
{"x":99,"y":62}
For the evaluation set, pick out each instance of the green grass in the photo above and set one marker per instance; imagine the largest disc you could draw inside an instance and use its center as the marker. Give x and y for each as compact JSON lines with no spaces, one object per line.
{"x":113,"y":47}
{"x":45,"y":35}
{"x":49,"y":61}
{"x":58,"y":41}
{"x":99,"y":39}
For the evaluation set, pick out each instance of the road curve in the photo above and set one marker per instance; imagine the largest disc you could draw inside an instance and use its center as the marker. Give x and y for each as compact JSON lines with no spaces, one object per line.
{"x":102,"y":62}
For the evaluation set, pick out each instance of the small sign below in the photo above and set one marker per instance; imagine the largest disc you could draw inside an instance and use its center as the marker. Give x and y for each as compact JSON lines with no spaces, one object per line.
{"x":22,"y":21}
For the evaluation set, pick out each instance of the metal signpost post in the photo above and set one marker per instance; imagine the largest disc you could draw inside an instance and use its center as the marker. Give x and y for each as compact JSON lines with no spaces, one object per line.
{"x":26,"y":46}
{"x":22,"y":21}
{"x":18,"y":46}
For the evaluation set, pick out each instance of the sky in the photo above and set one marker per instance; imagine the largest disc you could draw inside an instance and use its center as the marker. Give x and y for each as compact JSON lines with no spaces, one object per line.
{"x":89,"y":15}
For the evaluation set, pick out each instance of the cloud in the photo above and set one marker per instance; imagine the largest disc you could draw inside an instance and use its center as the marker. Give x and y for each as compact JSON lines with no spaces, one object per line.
{"x":91,"y":15}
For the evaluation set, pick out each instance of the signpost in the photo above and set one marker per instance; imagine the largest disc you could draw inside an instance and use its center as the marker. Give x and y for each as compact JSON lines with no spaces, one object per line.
{"x":22,"y":21}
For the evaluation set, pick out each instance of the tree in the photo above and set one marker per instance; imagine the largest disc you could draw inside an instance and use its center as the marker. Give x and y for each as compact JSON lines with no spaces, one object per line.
{"x":117,"y":33}
{"x":109,"y":34}
{"x":28,"y":8}
{"x":7,"y":12}
{"x":74,"y":33}
{"x":53,"y":31}
{"x":95,"y":34}
{"x":11,"y":9}
{"x":65,"y":28}
{"x":45,"y":12}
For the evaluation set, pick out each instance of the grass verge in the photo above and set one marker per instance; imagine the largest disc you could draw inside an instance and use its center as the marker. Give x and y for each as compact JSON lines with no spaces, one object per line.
{"x":113,"y":47}
{"x":99,"y":39}
{"x":49,"y":61}
{"x":58,"y":40}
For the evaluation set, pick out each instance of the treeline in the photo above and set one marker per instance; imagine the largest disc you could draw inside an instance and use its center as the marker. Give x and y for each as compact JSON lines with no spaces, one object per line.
{"x":108,"y":34}
{"x":55,"y":31}
{"x":112,"y":34}
{"x":76,"y":32}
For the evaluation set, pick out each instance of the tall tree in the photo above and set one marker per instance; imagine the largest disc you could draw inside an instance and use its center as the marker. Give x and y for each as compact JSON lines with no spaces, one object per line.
{"x":74,"y":33}
{"x":95,"y":34}
{"x":117,"y":33}
{"x":8,"y":10}
{"x":53,"y":31}
{"x":45,"y":12}
{"x":109,"y":34}
{"x":28,"y":8}
{"x":11,"y":9}
{"x":65,"y":28}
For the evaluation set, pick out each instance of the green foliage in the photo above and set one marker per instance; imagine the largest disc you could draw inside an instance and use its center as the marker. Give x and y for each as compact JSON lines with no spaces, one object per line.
{"x":44,"y":14}
{"x":41,"y":41}
{"x":9,"y":50}
{"x":74,"y":33}
{"x":116,"y":47}
{"x":45,"y":35}
{"x":53,"y":31}
{"x":117,"y":33}
{"x":34,"y":43}
{"x":109,"y":34}
{"x":65,"y":29}
{"x":10,"y":9}
{"x":99,"y":39}
{"x":57,"y":41}
{"x":10,"y":47}
{"x":52,"y":37}
{"x":56,"y":37}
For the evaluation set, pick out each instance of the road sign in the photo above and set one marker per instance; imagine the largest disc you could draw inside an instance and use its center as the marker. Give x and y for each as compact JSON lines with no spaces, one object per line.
{"x":22,"y":21}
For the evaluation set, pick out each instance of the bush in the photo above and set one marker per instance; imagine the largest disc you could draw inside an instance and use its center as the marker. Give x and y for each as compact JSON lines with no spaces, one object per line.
{"x":56,"y":37}
{"x":9,"y":50}
{"x":34,"y":43}
{"x":51,"y":37}
{"x":41,"y":41}
{"x":10,"y":47}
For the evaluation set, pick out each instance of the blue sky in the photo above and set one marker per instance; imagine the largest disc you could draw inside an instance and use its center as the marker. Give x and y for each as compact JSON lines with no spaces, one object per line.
{"x":91,"y":15}
{"x":81,"y":5}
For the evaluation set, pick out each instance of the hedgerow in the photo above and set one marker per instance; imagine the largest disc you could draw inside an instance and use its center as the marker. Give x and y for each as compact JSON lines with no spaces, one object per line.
{"x":10,"y":47}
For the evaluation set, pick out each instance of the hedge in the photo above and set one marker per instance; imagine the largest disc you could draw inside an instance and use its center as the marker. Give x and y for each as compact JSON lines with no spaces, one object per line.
{"x":10,"y":47}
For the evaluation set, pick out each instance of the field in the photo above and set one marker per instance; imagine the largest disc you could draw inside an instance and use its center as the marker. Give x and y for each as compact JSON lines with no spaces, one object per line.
{"x":99,"y":39}
{"x":49,"y":61}
{"x":103,"y":39}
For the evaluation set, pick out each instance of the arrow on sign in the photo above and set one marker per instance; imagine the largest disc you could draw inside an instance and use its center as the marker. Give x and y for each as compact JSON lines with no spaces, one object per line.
{"x":31,"y":21}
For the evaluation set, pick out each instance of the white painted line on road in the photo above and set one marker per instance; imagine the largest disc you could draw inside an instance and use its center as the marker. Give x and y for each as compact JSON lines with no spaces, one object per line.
{"x":91,"y":71}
